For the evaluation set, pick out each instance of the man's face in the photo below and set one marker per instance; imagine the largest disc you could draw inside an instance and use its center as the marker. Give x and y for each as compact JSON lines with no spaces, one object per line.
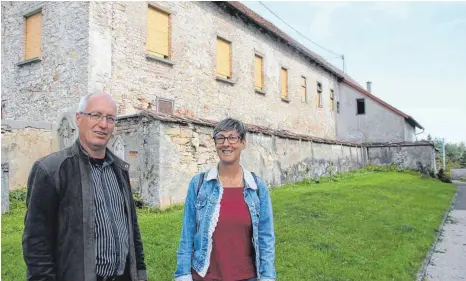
{"x":94,"y":133}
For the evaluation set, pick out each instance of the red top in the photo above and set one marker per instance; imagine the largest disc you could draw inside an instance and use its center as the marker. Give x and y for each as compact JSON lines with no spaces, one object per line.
{"x":232,"y":257}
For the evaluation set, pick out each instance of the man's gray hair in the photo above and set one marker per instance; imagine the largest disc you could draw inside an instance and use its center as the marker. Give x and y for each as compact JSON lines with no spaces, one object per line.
{"x":230,"y":124}
{"x":83,"y":102}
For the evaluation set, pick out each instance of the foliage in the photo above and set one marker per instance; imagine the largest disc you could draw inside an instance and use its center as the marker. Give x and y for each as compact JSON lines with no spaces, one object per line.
{"x":463,"y":160}
{"x":443,"y":176}
{"x":453,"y":153}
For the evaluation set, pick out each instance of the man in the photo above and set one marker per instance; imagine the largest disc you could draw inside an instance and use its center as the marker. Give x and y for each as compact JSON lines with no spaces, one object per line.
{"x":81,"y":222}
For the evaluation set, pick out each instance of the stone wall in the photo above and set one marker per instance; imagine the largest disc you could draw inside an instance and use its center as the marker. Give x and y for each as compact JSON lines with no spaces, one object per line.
{"x":22,"y":146}
{"x":42,"y":90}
{"x":168,"y":151}
{"x":416,"y":155}
{"x":136,"y":81}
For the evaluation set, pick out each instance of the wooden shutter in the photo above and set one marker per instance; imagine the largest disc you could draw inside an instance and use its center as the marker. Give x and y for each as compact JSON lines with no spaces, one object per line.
{"x":223,"y":58}
{"x":258,"y":73}
{"x":284,"y":82}
{"x":33,"y":36}
{"x":303,"y":89}
{"x":157,"y":32}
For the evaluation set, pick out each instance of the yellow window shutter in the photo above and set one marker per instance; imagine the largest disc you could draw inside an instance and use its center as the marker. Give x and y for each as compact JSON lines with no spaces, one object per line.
{"x":258,"y":73}
{"x":157,"y":32}
{"x":223,"y":58}
{"x":33,"y":36}
{"x":284,"y":81}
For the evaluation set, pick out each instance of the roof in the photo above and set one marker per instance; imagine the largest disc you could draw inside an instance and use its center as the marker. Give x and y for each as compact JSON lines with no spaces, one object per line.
{"x":320,"y":61}
{"x":152,"y":114}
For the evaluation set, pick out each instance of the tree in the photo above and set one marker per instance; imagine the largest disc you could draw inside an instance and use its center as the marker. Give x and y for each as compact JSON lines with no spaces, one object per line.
{"x":463,"y":160}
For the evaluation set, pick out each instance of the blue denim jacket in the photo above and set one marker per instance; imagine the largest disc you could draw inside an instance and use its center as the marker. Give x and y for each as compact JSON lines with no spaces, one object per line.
{"x":200,"y":218}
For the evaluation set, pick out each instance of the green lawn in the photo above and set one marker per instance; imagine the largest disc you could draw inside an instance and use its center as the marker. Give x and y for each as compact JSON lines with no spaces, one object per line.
{"x":356,"y":226}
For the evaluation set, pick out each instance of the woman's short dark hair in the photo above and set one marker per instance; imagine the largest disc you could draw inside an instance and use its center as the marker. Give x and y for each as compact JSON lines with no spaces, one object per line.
{"x":230,"y":124}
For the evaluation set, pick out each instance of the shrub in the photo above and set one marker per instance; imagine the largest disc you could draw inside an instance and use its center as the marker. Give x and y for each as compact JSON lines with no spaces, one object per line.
{"x":443,"y":176}
{"x":18,"y":195}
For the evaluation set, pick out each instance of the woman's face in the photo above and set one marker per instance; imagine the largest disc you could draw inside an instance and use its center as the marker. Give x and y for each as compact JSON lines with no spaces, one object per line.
{"x":229,"y":146}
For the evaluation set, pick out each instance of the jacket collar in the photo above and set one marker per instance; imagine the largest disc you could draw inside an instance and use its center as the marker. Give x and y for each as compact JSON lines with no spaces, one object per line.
{"x":248,"y":177}
{"x":77,"y":149}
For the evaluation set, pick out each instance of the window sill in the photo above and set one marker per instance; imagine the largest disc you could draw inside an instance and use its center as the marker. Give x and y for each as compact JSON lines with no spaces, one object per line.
{"x":285,"y":100}
{"x":260,"y":92}
{"x":224,"y":80}
{"x":162,"y":60}
{"x":29,"y":61}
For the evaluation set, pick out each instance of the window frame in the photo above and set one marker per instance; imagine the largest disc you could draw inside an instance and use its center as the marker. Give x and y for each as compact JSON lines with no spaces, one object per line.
{"x":230,"y":59}
{"x":287,"y":97}
{"x":24,"y":58}
{"x":319,"y":94}
{"x":260,"y":90}
{"x":332,"y":100}
{"x":357,"y":106}
{"x":150,"y":54}
{"x":306,"y":99}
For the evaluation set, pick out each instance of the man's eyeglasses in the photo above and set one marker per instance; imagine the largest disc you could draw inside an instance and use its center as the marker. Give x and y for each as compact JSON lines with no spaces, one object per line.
{"x":95,"y":116}
{"x":231,"y":139}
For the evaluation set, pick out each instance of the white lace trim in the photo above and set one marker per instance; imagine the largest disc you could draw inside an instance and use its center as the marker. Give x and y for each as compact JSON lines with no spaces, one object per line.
{"x":188,"y":277}
{"x":212,"y":226}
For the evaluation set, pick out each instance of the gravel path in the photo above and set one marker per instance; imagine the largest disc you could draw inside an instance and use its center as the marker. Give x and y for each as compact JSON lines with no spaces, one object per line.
{"x":448,"y":261}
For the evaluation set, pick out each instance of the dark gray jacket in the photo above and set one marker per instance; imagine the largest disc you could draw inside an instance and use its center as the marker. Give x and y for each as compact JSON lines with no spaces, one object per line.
{"x":58,"y":238}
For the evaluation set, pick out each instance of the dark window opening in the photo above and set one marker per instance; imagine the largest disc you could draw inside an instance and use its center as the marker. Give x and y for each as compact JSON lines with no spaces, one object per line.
{"x":361,"y":106}
{"x":338,"y":107}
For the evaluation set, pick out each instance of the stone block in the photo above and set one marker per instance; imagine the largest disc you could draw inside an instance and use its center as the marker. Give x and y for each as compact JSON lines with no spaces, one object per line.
{"x":179,"y":140}
{"x":173,"y":131}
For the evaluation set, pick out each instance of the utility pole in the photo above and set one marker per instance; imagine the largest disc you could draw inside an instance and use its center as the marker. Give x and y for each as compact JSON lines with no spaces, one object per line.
{"x":343,"y":59}
{"x":443,"y":153}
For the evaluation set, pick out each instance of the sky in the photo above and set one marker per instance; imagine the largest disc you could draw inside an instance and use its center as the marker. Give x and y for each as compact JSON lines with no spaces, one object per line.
{"x":414,"y":53}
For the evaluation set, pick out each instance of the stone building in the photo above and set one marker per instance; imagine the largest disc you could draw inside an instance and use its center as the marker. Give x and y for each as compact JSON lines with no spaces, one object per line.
{"x":196,"y":60}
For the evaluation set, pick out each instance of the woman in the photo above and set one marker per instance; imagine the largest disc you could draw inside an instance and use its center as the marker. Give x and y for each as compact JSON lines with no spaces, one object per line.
{"x":227,"y":232}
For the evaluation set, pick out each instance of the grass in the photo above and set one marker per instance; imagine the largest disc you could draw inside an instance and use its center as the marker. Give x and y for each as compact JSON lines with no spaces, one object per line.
{"x":364,"y":225}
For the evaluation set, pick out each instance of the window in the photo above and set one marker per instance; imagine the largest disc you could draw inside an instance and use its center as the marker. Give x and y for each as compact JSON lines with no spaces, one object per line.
{"x":332,"y":101}
{"x":319,"y":94}
{"x":223,"y":58}
{"x":338,"y":107}
{"x":258,"y":73}
{"x":303,"y":89}
{"x":361,"y":107}
{"x":158,"y":35}
{"x":165,"y":106}
{"x":284,"y":83}
{"x":33,"y":36}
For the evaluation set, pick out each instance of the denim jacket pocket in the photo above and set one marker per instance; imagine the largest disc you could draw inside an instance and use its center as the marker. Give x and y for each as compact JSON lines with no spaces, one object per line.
{"x":200,"y":205}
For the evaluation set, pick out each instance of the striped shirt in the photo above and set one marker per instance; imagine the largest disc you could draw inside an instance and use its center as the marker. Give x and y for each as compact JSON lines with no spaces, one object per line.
{"x":111,"y":222}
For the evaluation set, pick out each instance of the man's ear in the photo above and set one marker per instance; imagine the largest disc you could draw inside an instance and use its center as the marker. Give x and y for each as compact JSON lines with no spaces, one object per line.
{"x":78,"y":119}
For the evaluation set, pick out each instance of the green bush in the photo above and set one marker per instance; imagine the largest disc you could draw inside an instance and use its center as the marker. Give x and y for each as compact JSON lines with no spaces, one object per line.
{"x":18,"y":195}
{"x":443,"y":176}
